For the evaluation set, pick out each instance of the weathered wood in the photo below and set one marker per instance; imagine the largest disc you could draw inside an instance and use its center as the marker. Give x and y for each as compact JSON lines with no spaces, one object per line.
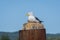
{"x":34,"y":34}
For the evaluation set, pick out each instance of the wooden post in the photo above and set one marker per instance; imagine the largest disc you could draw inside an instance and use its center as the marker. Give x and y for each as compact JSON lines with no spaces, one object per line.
{"x":33,"y":34}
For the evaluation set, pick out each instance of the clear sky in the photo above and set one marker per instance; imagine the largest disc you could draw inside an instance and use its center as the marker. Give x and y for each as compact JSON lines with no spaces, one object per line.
{"x":12,"y":14}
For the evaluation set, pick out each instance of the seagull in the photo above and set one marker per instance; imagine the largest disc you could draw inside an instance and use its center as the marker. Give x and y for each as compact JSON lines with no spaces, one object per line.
{"x":32,"y":18}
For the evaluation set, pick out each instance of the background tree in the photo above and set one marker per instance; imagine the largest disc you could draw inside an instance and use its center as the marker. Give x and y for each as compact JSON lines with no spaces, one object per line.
{"x":5,"y":37}
{"x":17,"y":38}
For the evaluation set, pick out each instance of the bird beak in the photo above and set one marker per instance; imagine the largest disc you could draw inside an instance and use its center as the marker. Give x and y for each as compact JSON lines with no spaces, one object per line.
{"x":27,"y":15}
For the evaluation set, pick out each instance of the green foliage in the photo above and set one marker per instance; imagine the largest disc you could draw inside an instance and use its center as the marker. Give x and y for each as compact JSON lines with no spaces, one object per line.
{"x":53,"y":38}
{"x":5,"y":37}
{"x":17,"y":38}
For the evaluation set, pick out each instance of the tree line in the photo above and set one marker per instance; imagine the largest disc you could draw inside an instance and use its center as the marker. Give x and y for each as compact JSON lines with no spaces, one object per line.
{"x":53,"y":38}
{"x":6,"y":37}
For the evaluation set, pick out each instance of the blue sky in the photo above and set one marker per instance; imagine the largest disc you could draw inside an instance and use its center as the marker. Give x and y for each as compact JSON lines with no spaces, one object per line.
{"x":12,"y":14}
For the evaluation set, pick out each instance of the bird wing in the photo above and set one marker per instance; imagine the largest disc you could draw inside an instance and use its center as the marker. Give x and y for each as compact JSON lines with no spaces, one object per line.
{"x":38,"y":20}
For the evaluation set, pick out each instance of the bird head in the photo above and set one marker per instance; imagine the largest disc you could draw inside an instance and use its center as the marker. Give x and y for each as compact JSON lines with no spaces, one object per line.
{"x":29,"y":14}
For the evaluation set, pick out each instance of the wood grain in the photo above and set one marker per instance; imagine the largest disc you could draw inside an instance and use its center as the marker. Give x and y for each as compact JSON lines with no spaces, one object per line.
{"x":34,"y":34}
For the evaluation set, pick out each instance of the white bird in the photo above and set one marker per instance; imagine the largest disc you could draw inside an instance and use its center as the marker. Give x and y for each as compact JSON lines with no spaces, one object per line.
{"x":32,"y":18}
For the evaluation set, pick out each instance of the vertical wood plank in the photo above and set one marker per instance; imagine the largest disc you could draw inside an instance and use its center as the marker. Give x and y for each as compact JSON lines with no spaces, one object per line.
{"x":34,"y":34}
